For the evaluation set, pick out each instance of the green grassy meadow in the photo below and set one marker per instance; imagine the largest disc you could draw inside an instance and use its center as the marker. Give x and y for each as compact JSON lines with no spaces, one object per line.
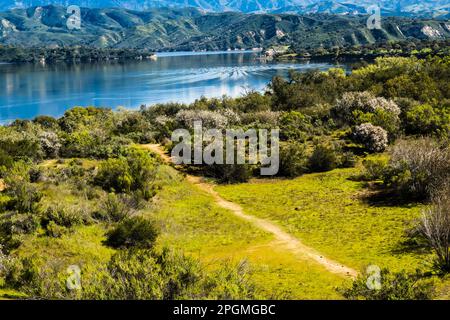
{"x":329,"y":212}
{"x":191,"y":221}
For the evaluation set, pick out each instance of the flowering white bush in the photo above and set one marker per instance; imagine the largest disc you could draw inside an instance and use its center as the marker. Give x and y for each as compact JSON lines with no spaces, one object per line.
{"x":50,"y":143}
{"x":162,"y":120}
{"x":209,"y":119}
{"x":374,"y":138}
{"x":365,"y":102}
{"x":267,"y":117}
{"x":232,"y":117}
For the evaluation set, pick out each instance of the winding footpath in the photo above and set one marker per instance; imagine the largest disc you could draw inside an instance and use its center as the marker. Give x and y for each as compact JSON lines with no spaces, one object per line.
{"x":283,"y":239}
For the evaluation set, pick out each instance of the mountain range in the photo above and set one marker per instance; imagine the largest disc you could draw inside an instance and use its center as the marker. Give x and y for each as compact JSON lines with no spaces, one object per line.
{"x":413,"y":8}
{"x":166,"y":29}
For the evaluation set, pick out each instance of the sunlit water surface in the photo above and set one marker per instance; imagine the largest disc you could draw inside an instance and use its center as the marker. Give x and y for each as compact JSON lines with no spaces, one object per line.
{"x":29,"y":90}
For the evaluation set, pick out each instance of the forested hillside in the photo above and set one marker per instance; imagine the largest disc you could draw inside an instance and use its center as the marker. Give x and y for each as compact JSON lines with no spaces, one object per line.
{"x":192,"y":29}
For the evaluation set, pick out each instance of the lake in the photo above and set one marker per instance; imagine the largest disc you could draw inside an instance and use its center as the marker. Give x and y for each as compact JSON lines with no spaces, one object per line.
{"x":29,"y":90}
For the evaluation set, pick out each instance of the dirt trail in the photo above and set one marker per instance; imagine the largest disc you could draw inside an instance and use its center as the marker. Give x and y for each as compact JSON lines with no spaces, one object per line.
{"x":283,"y":239}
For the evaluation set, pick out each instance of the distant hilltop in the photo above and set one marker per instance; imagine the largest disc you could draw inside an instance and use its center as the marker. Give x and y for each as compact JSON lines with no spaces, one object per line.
{"x":172,"y":29}
{"x":410,"y":8}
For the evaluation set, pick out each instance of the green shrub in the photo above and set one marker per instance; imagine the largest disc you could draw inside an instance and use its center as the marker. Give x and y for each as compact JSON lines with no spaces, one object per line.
{"x":426,"y":120}
{"x":347,"y":160}
{"x":114,"y":175}
{"x":24,"y":196}
{"x":293,"y":159}
{"x":295,"y":126}
{"x":79,"y":118}
{"x":132,"y":124}
{"x":13,"y":226}
{"x":381,"y":118}
{"x":6,"y":161}
{"x":136,"y":171}
{"x":144,"y":274}
{"x":322,"y":159}
{"x":55,"y":231}
{"x":131,"y":275}
{"x":306,"y":89}
{"x":20,"y":143}
{"x":135,"y":232}
{"x":142,"y":168}
{"x":260,"y":120}
{"x":230,"y":282}
{"x":374,"y":169}
{"x":47,"y":122}
{"x":74,"y":169}
{"x":65,"y":216}
{"x":253,"y":102}
{"x":392,"y":286}
{"x":115,"y":208}
{"x":88,"y":143}
{"x":4,"y":201}
{"x":20,"y":274}
{"x":228,"y":173}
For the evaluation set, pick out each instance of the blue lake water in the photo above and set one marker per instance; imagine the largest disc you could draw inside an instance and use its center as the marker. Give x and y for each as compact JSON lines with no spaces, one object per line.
{"x":29,"y":90}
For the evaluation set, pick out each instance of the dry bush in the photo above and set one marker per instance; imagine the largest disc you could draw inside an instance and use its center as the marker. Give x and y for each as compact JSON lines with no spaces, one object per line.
{"x":435,"y":228}
{"x":417,"y":167}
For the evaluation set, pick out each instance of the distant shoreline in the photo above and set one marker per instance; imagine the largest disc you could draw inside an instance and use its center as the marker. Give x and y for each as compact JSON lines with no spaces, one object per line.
{"x":200,"y":53}
{"x":135,"y":55}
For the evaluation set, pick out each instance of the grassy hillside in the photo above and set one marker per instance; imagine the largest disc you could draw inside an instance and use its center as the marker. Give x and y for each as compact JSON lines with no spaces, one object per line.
{"x":192,"y":29}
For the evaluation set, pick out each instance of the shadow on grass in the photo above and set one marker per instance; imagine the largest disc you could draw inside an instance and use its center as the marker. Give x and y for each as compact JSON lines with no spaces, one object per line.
{"x":415,"y":245}
{"x":356,"y":150}
{"x":378,"y":195}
